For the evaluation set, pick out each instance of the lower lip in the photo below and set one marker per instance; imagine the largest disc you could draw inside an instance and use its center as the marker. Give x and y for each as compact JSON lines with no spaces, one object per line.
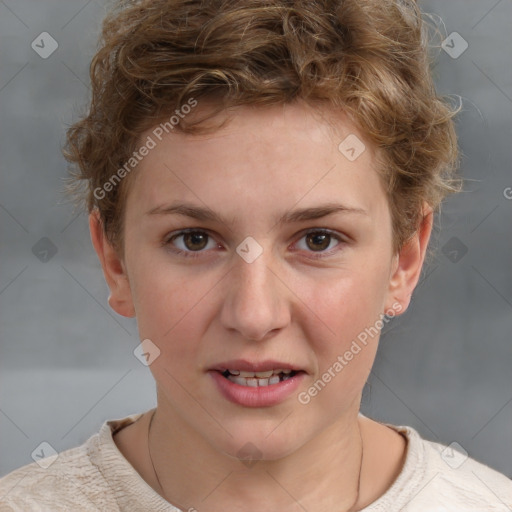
{"x":261,"y":396}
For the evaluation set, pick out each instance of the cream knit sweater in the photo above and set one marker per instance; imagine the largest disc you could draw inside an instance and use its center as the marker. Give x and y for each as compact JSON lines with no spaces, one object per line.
{"x":96,"y":476}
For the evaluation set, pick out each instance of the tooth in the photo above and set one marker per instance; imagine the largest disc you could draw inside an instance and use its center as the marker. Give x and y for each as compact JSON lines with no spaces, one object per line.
{"x":234,"y":372}
{"x":253,"y":383}
{"x":264,"y":375}
{"x":246,"y":374}
{"x":262,"y":382}
{"x":286,"y":372}
{"x":274,"y":379}
{"x":238,"y":380}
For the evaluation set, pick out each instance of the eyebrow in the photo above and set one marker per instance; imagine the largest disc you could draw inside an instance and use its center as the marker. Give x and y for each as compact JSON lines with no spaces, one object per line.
{"x":298,"y":215}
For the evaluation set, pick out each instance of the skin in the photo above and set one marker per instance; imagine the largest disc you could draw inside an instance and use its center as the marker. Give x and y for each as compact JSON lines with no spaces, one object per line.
{"x":285,"y":305}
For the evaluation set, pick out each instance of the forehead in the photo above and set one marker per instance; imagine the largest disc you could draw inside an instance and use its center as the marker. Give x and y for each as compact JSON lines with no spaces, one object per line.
{"x":264,"y":157}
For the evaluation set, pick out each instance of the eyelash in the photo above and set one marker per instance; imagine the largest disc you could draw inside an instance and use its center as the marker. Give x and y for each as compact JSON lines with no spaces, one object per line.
{"x":194,"y":254}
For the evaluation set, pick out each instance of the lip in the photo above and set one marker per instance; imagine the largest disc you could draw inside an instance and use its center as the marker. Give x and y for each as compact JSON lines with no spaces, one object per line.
{"x":262,"y":396}
{"x":248,"y":366}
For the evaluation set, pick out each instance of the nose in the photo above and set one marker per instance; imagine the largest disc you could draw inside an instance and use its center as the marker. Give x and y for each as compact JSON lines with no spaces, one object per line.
{"x":257,"y":302}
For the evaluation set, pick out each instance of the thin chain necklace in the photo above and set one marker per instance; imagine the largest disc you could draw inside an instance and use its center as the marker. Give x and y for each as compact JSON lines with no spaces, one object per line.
{"x":151,"y":458}
{"x":351,"y":509}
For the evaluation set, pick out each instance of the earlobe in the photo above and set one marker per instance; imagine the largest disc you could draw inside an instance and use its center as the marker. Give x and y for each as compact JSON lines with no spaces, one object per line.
{"x":120,"y":298}
{"x":408,"y":264}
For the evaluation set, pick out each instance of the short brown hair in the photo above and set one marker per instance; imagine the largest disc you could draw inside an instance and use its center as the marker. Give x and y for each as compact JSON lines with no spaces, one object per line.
{"x":369,"y":58}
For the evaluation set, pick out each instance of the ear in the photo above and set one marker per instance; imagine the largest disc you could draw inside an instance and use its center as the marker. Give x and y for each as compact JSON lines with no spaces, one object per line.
{"x":120,"y":298}
{"x":408,"y":264}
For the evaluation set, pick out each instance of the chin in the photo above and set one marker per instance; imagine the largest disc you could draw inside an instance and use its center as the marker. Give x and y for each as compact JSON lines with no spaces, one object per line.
{"x":266,"y":444}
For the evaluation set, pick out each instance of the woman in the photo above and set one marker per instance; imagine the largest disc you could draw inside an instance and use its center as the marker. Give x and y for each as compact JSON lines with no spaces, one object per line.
{"x":261,"y":179}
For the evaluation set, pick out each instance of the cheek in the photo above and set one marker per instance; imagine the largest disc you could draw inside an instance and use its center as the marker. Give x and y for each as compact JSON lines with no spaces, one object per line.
{"x":342,"y":320}
{"x":172,"y":308}
{"x":346,"y":304}
{"x":344,"y":342}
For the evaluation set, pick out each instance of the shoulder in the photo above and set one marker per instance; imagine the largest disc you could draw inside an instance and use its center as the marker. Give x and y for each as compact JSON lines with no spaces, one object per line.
{"x":70,"y":480}
{"x":35,"y":485}
{"x":439,"y":478}
{"x":457,"y":479}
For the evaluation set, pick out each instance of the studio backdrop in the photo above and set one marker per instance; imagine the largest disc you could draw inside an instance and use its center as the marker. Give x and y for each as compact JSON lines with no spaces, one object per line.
{"x":67,"y":360}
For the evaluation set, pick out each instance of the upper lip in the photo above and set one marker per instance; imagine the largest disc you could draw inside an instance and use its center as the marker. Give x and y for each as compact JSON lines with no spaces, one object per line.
{"x":254,"y":366}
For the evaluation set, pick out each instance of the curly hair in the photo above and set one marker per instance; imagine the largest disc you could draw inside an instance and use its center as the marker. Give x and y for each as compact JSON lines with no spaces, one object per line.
{"x":369,"y":58}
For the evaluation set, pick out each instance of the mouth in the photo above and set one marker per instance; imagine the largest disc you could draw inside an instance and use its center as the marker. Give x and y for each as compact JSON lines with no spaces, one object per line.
{"x":258,"y":379}
{"x":252,"y":384}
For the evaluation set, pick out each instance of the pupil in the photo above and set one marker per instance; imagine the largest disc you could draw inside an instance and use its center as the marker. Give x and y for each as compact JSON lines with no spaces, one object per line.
{"x":324,"y":239}
{"x":196,"y":239}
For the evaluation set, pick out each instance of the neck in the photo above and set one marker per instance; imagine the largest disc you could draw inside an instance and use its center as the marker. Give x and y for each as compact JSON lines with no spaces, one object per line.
{"x":323,"y":474}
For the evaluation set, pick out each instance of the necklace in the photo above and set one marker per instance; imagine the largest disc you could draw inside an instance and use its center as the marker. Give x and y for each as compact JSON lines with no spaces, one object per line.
{"x":151,"y":458}
{"x":351,"y":509}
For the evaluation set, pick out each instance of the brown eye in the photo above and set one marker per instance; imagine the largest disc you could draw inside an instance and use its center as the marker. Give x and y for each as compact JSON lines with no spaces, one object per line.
{"x":318,"y":241}
{"x":195,"y":241}
{"x":190,"y":243}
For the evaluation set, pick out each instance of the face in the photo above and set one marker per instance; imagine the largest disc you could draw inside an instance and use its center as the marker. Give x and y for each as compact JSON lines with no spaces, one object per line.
{"x":295,"y":263}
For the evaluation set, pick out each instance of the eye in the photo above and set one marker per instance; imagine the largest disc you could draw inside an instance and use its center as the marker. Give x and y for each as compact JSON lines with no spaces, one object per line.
{"x":191,"y":242}
{"x":319,"y":240}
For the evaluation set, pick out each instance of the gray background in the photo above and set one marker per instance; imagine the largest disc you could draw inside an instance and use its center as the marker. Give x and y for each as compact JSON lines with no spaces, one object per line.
{"x":66,"y":361}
